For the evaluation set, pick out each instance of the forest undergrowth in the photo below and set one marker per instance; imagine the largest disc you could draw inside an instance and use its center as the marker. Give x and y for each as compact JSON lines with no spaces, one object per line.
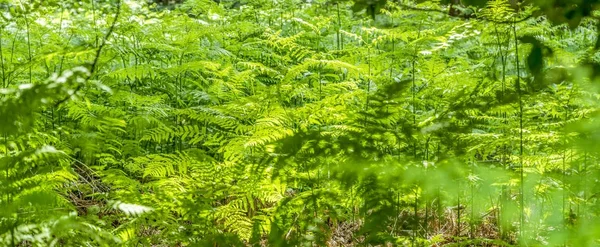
{"x":299,"y":123}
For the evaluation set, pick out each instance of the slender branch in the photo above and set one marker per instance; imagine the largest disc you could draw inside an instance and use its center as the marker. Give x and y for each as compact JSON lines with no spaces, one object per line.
{"x":94,"y":64}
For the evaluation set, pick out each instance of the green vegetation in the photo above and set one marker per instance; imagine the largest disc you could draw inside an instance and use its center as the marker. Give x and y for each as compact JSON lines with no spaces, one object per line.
{"x":299,"y":123}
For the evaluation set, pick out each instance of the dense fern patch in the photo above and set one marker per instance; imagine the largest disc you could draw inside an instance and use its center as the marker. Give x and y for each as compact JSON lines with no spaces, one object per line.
{"x":299,"y":123}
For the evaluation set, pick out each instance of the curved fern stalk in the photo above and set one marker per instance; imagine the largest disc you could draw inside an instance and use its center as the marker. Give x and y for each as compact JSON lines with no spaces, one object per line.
{"x":2,"y":65}
{"x":504,"y":146}
{"x":414,"y":89}
{"x":369,"y":79}
{"x":94,"y":64}
{"x":565,"y":193}
{"x":96,"y":40}
{"x":522,"y":168}
{"x":428,"y":198}
{"x":29,"y":53}
{"x":340,"y":38}
{"x":472,"y":197}
{"x":414,"y":115}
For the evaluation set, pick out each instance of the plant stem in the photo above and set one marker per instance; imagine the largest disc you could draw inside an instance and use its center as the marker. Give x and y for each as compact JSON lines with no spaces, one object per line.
{"x":521,"y":177}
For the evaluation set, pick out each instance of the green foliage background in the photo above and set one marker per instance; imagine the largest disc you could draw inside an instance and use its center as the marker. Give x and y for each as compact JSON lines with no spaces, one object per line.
{"x":298,"y":123}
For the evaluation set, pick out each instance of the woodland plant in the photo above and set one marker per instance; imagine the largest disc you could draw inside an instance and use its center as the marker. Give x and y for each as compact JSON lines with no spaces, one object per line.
{"x":299,"y":123}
